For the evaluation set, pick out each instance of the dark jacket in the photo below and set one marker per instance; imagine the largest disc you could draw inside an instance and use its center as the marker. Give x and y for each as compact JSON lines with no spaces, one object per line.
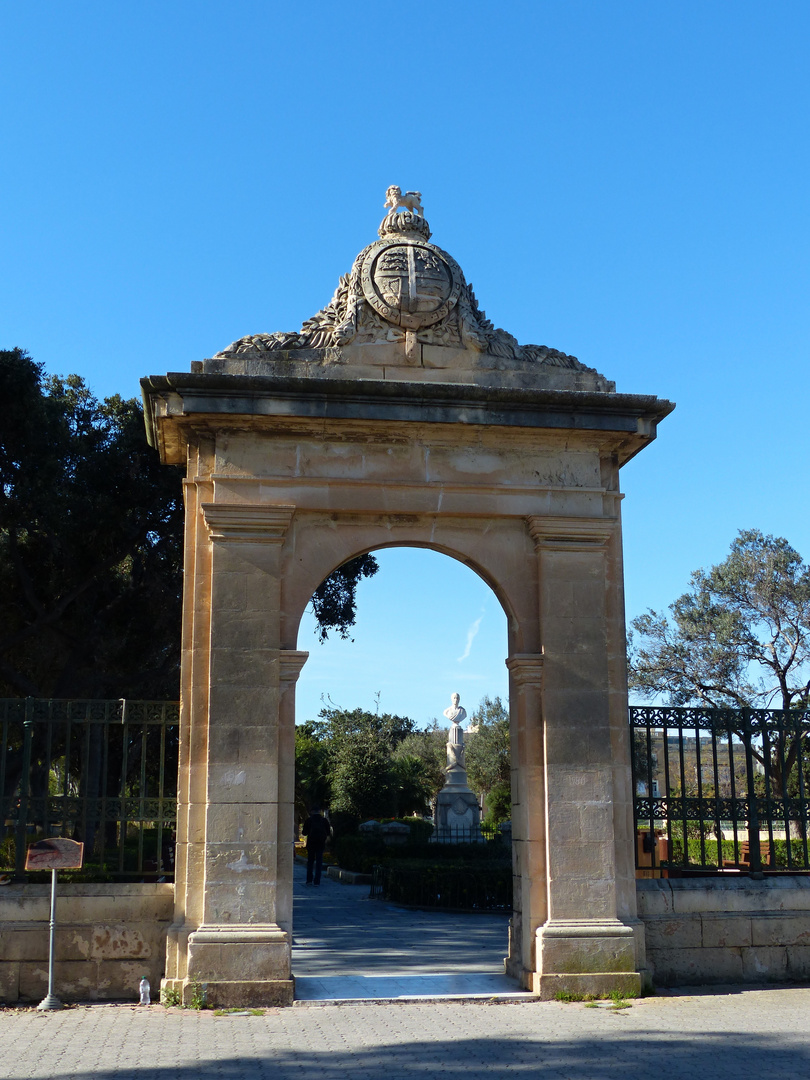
{"x":317,"y":830}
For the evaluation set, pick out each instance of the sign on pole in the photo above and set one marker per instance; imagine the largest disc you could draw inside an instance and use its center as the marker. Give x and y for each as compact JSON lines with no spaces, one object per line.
{"x":58,"y":853}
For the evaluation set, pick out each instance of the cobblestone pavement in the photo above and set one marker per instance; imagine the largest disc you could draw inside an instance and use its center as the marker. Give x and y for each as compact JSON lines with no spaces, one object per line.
{"x":728,"y":1034}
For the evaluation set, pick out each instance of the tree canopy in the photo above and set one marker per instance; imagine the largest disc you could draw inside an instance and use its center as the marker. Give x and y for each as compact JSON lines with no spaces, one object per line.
{"x":346,"y":758}
{"x":334,"y":601}
{"x":90,"y":543}
{"x":91,"y":529}
{"x":489,"y":764}
{"x":740,"y":635}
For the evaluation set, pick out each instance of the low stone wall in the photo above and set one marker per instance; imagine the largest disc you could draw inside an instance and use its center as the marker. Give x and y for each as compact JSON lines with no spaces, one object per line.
{"x":107,"y":937}
{"x":726,"y":929}
{"x":698,"y":930}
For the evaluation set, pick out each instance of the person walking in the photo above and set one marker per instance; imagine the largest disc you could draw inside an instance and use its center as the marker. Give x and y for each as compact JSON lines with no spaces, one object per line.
{"x":317,"y":830}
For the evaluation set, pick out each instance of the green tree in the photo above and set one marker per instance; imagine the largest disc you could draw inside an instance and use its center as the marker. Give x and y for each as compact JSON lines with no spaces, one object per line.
{"x":90,"y":542}
{"x":739,"y":637}
{"x":359,"y":768}
{"x":312,"y":786}
{"x":334,"y":601}
{"x":427,"y":750}
{"x":487,"y":753}
{"x":91,"y":527}
{"x":362,"y":778}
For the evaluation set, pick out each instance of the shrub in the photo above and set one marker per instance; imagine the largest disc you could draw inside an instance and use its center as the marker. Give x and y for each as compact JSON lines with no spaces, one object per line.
{"x":358,"y":853}
{"x":421,"y":830}
{"x":481,"y":886}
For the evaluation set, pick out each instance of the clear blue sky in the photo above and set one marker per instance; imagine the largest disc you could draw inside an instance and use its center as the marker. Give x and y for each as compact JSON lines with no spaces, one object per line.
{"x":625,"y":181}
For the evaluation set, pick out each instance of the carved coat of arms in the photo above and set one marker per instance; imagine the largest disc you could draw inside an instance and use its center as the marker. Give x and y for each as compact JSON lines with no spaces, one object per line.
{"x":410,"y":285}
{"x":403,"y":288}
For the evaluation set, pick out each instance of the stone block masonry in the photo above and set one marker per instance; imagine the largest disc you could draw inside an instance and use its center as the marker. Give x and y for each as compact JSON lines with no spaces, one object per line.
{"x":107,"y":938}
{"x":726,"y":930}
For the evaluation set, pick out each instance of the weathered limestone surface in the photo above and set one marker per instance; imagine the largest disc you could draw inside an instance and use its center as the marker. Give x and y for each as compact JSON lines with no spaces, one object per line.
{"x":107,"y":938}
{"x":726,"y":930}
{"x":399,"y":415}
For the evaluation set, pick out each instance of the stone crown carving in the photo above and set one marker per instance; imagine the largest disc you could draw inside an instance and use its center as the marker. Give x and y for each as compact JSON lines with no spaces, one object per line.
{"x":402,"y":288}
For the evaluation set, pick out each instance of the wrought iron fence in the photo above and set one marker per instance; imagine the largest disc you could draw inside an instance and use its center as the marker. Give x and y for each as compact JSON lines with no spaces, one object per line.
{"x":477,"y":887}
{"x":103,"y":772}
{"x":469,"y":834}
{"x":720,"y":790}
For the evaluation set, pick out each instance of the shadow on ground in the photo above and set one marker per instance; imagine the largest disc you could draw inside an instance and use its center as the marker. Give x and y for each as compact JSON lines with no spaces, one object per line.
{"x":714,"y":1056}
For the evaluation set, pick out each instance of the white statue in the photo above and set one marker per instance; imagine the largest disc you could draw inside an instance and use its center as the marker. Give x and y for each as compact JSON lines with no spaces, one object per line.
{"x":456,"y":715}
{"x":411,"y":200}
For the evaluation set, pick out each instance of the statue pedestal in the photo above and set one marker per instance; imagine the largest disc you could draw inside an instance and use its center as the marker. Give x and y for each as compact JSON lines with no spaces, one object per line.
{"x":458,"y":817}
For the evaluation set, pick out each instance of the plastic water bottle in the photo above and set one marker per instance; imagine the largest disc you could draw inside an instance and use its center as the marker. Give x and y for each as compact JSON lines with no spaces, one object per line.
{"x":146,"y":998}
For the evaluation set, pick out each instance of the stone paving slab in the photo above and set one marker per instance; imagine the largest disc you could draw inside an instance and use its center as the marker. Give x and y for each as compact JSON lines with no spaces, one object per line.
{"x":398,"y":986}
{"x":347,"y":947}
{"x":731,"y":1034}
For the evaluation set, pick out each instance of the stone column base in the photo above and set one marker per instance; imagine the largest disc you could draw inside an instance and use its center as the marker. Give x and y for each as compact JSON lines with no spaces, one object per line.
{"x":237,"y":966}
{"x":585,"y":956}
{"x":226,"y":995}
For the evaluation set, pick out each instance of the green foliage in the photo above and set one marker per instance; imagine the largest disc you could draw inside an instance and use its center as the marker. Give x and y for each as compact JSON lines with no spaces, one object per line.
{"x":426,"y":754}
{"x":8,"y":853}
{"x":498,"y":804}
{"x":198,"y":995}
{"x":365,"y":765}
{"x":312,"y":787}
{"x":480,"y":886}
{"x":421,"y":830}
{"x":90,"y":542}
{"x":91,"y":527}
{"x":347,"y":758}
{"x":169,"y":998}
{"x":334,"y":601}
{"x":618,"y":999}
{"x":360,"y":852}
{"x":343,"y":824}
{"x":362,"y":780}
{"x":739,"y":637}
{"x":488,"y":758}
{"x":693,"y":847}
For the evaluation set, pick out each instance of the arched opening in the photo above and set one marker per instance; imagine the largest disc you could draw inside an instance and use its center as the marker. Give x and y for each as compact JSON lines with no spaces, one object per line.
{"x":427,"y":626}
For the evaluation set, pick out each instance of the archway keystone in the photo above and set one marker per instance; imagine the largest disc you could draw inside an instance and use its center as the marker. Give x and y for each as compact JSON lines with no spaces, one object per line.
{"x":399,"y":415}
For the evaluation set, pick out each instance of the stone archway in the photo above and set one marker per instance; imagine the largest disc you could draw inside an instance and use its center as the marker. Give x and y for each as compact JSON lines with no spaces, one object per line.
{"x":400,"y":416}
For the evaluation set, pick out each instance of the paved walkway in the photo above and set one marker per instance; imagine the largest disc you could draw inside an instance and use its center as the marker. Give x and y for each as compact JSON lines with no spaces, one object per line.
{"x":347,"y":947}
{"x":724,"y":1034}
{"x":744,"y":1035}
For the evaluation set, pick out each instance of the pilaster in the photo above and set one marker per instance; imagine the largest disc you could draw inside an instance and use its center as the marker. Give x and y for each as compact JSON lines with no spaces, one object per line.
{"x":582,"y":945}
{"x":291,"y":662}
{"x":241,"y":947}
{"x":528,"y":813}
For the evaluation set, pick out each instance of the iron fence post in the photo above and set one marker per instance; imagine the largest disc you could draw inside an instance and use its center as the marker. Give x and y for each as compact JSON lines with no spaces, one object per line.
{"x":25,"y":792}
{"x":754,"y":850}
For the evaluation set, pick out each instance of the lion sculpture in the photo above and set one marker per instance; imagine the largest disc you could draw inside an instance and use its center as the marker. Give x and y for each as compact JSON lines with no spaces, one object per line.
{"x":411,"y":200}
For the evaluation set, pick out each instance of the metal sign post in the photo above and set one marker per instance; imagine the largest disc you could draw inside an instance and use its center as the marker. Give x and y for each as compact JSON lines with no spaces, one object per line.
{"x":55,"y":854}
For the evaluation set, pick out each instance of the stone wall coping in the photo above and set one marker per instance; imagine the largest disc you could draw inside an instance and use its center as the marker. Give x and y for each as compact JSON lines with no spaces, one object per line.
{"x":733,"y":884}
{"x":679,"y":898}
{"x":29,"y":891}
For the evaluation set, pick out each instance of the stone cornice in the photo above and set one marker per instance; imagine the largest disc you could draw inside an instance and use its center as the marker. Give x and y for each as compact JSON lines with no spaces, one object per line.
{"x":570,"y":534}
{"x":240,"y":523}
{"x":183,"y":398}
